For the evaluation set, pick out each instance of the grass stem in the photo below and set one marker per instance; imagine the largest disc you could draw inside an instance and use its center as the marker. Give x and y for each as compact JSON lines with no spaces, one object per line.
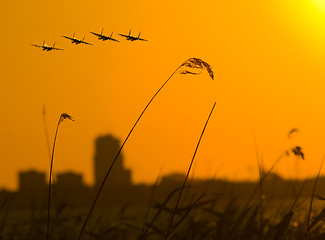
{"x":118,"y":154}
{"x":50,"y":184}
{"x":194,"y":63}
{"x":188,"y":173}
{"x":62,"y":117}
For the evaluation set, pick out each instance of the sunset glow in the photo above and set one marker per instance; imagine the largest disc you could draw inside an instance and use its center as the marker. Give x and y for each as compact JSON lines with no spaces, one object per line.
{"x":268,"y":61}
{"x":320,"y":4}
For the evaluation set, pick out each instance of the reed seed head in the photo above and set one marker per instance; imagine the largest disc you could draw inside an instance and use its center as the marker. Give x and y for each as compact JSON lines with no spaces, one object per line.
{"x":297,"y":151}
{"x":292,"y":131}
{"x":197,"y":63}
{"x":189,"y":72}
{"x":65,"y":116}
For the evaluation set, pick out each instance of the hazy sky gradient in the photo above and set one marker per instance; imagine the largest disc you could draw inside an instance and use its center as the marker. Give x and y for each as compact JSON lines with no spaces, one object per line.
{"x":268,"y":58}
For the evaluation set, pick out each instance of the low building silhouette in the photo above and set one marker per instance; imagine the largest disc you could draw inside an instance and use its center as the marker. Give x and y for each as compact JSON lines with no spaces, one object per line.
{"x":32,"y":181}
{"x":4,"y":196}
{"x":69,"y":179}
{"x":70,"y":189}
{"x":32,"y":189}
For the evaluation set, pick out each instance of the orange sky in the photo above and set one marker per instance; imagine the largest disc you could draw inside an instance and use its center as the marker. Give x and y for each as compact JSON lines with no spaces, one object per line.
{"x":268,"y":58}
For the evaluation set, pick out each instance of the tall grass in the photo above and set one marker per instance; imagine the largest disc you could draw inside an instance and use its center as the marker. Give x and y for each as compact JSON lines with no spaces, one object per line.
{"x":225,"y":219}
{"x":263,"y":175}
{"x":188,"y":173}
{"x":46,"y":132}
{"x":61,"y":119}
{"x":311,"y":201}
{"x":191,"y":63}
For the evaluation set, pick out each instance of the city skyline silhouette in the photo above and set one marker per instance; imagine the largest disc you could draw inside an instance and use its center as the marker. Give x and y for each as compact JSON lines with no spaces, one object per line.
{"x":69,"y":187}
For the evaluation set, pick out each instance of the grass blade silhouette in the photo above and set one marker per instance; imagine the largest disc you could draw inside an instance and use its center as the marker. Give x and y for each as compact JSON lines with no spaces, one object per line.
{"x":62,"y":117}
{"x":160,"y":209}
{"x":261,"y":180}
{"x":193,"y":63}
{"x":182,"y":219}
{"x":46,"y":132}
{"x":188,"y":173}
{"x":283,"y":226}
{"x":311,"y":201}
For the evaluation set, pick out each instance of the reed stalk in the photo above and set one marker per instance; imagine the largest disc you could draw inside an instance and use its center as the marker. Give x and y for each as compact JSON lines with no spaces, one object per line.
{"x":311,"y":201}
{"x":191,"y":63}
{"x":62,"y":117}
{"x":188,"y":173}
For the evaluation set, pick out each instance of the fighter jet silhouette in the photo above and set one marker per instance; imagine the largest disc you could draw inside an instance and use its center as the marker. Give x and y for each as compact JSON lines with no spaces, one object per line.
{"x":103,"y":37}
{"x":132,"y":38}
{"x":76,"y":40}
{"x":47,"y":48}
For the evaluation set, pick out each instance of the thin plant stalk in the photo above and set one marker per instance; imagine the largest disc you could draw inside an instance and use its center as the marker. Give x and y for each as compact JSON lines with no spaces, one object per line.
{"x":262,"y":179}
{"x":50,"y":185}
{"x":260,"y":169}
{"x":160,"y":209}
{"x":62,"y":117}
{"x":311,"y":200}
{"x":194,"y":63}
{"x":188,"y":172}
{"x":261,"y":198}
{"x":182,"y":219}
{"x":46,"y":133}
{"x":49,"y":150}
{"x":151,"y":200}
{"x":118,"y":154}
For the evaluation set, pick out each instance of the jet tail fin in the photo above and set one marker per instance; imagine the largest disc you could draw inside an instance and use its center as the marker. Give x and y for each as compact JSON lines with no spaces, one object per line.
{"x":111,"y":34}
{"x":84,"y":38}
{"x":130,"y":32}
{"x":43,"y":42}
{"x":139,"y":34}
{"x":102,"y":31}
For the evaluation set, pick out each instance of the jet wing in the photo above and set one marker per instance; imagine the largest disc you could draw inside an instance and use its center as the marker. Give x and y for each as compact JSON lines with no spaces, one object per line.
{"x":68,"y":37}
{"x":85,"y":42}
{"x":113,"y":39}
{"x":58,"y":49}
{"x":98,"y":35}
{"x":123,"y":35}
{"x":141,"y":39}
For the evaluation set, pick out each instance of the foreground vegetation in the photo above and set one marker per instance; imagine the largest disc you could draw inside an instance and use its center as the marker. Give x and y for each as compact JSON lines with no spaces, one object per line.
{"x":209,"y":216}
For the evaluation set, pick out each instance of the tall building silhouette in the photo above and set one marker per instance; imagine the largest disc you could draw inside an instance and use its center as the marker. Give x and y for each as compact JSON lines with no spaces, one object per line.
{"x":106,"y":149}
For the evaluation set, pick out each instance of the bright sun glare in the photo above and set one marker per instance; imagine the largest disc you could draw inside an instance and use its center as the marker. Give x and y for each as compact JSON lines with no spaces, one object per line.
{"x":320,"y":4}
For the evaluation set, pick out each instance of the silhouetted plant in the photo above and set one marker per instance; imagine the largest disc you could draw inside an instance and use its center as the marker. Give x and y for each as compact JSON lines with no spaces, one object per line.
{"x":197,"y":63}
{"x":292,"y":131}
{"x":308,"y":227}
{"x":297,"y":151}
{"x":160,"y":208}
{"x":61,"y":119}
{"x":191,"y":63}
{"x":188,"y":173}
{"x":46,"y":132}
